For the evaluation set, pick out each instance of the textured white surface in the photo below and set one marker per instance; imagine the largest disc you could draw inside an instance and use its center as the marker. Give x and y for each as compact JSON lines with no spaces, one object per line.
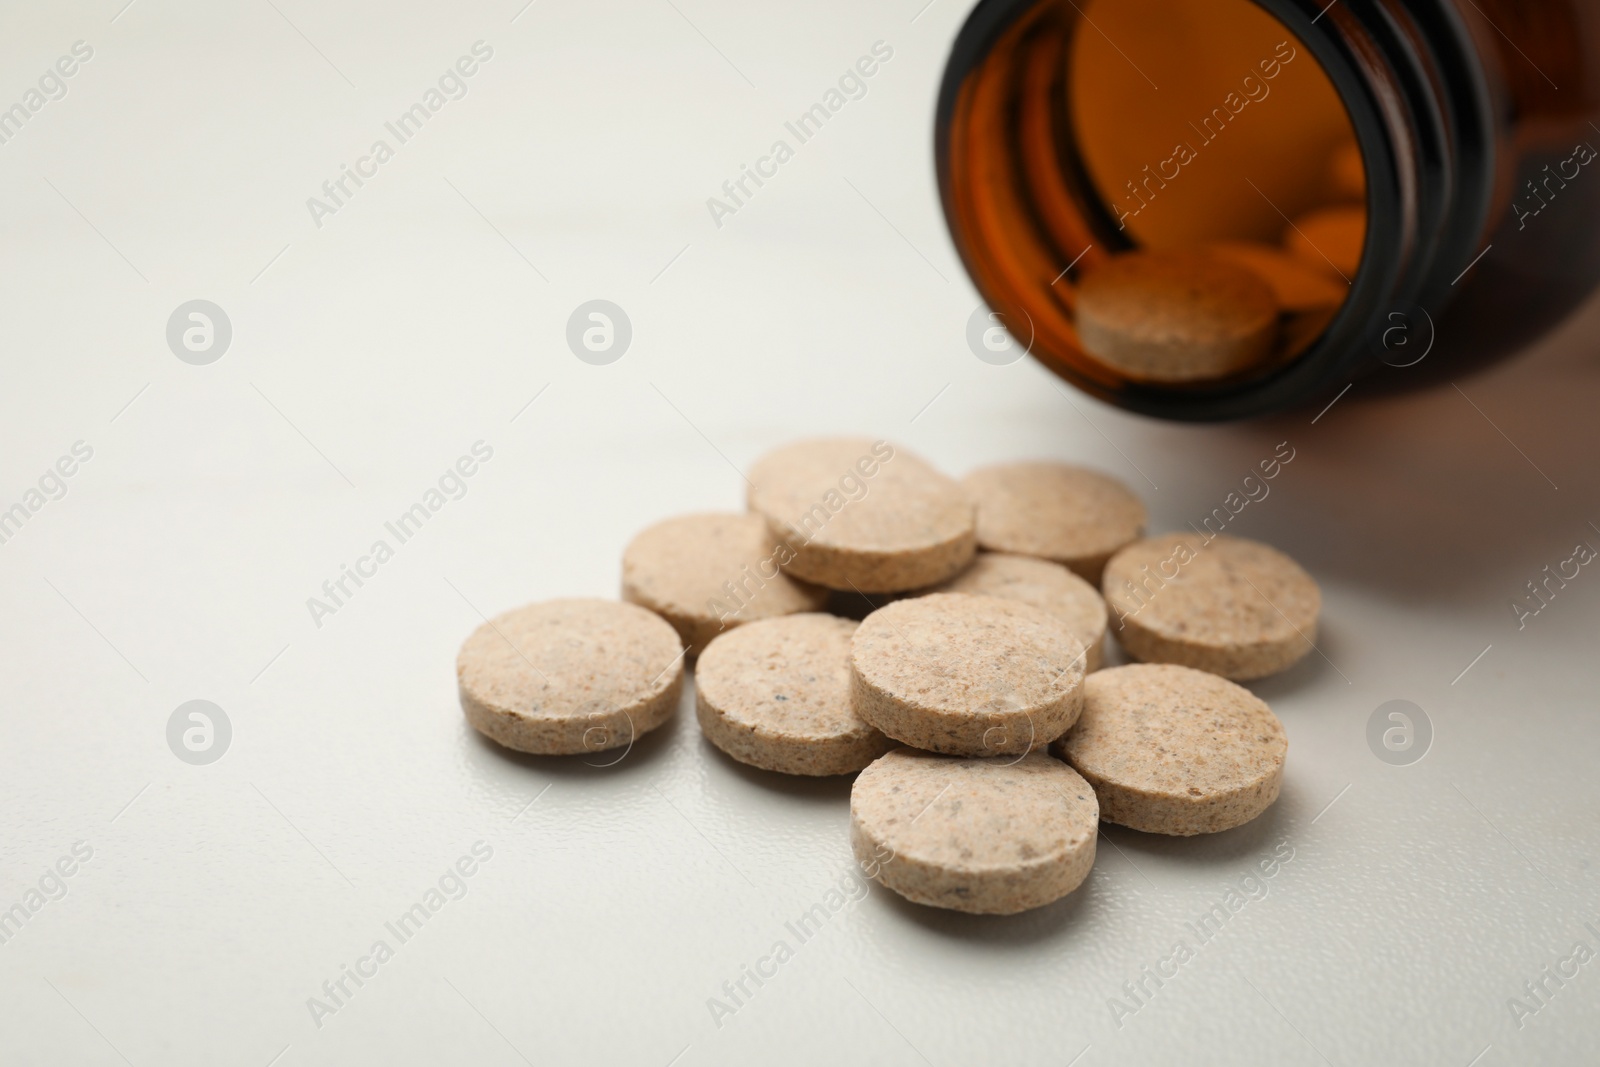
{"x":619,"y":899}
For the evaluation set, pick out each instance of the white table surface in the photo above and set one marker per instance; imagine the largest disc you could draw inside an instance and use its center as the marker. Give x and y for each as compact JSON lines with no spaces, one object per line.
{"x":369,"y":353}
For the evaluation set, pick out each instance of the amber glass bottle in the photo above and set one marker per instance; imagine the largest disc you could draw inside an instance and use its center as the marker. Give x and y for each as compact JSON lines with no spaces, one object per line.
{"x":1457,"y":139}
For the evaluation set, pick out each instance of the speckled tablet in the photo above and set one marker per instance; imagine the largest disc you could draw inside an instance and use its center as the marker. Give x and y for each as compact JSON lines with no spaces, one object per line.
{"x":1175,"y":316}
{"x":563,"y":677}
{"x":1171,"y":750}
{"x":1230,"y":606}
{"x":1072,"y":515}
{"x":1047,"y":586}
{"x":967,"y":675}
{"x":988,"y":836}
{"x":863,"y":516}
{"x":776,"y":694}
{"x":709,"y":572}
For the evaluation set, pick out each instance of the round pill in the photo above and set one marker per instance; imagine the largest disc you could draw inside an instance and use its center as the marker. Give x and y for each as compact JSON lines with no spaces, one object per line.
{"x":1295,"y":285}
{"x":706,"y":573}
{"x":570,"y":676}
{"x":1330,"y":237}
{"x":776,"y":694}
{"x":1230,"y":606}
{"x":1175,"y":316}
{"x":1348,"y":172}
{"x":862,"y":515}
{"x":967,"y":675}
{"x":987,"y":836}
{"x":1055,"y":511}
{"x":1047,"y":586}
{"x":1170,"y":750}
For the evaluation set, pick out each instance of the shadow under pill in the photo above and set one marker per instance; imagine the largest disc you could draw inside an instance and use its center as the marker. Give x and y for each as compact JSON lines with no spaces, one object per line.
{"x":821,"y":789}
{"x":1316,"y":667}
{"x":623,"y":760}
{"x":858,"y":606}
{"x":1223,"y":850}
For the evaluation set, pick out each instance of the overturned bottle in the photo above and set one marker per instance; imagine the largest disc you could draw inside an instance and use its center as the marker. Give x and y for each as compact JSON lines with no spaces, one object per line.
{"x":1409,"y":185}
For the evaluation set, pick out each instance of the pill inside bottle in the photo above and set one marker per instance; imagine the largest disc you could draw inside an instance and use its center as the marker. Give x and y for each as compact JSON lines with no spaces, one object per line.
{"x":1175,"y":146}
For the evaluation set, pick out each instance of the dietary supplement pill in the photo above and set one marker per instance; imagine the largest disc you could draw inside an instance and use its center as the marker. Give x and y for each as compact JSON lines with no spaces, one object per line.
{"x":1171,"y":750}
{"x":776,"y":694}
{"x":967,"y":675}
{"x":709,"y":572}
{"x":1176,"y":316}
{"x":1348,"y":172}
{"x":1296,"y":285}
{"x":987,"y":836}
{"x":570,"y":676}
{"x":1047,"y":586}
{"x":1056,"y":511}
{"x":863,"y":516}
{"x":1330,"y":238}
{"x":1230,"y":606}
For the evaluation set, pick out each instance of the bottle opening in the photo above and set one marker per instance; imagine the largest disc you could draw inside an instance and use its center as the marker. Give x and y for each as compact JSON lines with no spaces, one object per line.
{"x":1156,"y":193}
